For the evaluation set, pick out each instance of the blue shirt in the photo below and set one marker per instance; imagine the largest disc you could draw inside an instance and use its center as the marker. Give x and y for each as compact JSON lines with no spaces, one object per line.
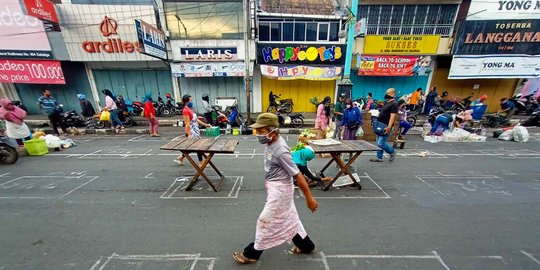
{"x":508,"y":105}
{"x":48,"y":104}
{"x":352,"y":116}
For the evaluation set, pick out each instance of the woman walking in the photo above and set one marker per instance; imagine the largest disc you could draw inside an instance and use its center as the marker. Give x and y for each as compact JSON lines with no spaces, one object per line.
{"x":110,"y":105}
{"x":352,"y":120}
{"x":191,"y":124}
{"x":150,"y":115}
{"x":14,"y":116}
{"x":323,"y":112}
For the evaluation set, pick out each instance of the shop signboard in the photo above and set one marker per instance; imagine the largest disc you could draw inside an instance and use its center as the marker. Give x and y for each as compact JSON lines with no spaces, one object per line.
{"x":31,"y":71}
{"x":291,"y":54}
{"x":41,"y":9}
{"x":314,"y":73}
{"x":494,"y":67}
{"x":151,"y":40}
{"x":382,"y":65}
{"x":501,"y":10}
{"x":401,"y":44}
{"x":208,"y":54}
{"x":211,"y":69}
{"x":21,"y":36}
{"x":498,"y":37}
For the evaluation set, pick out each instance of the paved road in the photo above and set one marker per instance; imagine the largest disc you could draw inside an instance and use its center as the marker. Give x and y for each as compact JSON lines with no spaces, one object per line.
{"x":113,"y":203}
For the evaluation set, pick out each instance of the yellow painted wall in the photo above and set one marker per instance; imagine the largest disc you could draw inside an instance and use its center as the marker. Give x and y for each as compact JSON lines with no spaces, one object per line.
{"x":301,"y":91}
{"x":495,"y":89}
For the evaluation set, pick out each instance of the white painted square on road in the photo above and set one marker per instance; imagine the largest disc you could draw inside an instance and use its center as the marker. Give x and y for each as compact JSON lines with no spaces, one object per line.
{"x":230,"y":188}
{"x":43,"y":187}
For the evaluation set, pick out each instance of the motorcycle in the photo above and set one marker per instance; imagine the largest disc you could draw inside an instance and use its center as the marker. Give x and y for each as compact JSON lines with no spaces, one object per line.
{"x":295,"y":120}
{"x":175,"y":109}
{"x":493,"y":121}
{"x":161,"y":108}
{"x":287,"y":104}
{"x":461,"y":104}
{"x":8,"y":149}
{"x":534,"y":119}
{"x":70,"y":118}
{"x":235,"y":118}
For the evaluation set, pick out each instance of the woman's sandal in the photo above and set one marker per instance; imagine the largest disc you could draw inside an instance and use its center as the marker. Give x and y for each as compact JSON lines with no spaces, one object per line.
{"x":241,"y":259}
{"x":295,"y":250}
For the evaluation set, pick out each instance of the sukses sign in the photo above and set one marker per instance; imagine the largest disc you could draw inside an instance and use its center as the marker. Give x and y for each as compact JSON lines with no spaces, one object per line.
{"x":296,"y":54}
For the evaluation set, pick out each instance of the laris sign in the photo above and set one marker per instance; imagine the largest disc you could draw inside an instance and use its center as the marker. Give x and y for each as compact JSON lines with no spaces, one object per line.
{"x":108,"y":27}
{"x":152,"y":40}
{"x":312,"y":54}
{"x":208,"y":54}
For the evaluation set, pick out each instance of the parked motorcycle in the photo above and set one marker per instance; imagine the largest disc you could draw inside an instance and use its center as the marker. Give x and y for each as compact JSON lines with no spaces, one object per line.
{"x":534,"y":119}
{"x":287,"y":104}
{"x":461,"y":104}
{"x":295,"y":120}
{"x":71,"y":118}
{"x":235,"y":118}
{"x":161,"y":108}
{"x":8,"y":149}
{"x":170,"y":105}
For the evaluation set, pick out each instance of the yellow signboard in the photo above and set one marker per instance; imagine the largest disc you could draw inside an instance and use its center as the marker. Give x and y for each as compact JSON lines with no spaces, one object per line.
{"x":396,"y":45}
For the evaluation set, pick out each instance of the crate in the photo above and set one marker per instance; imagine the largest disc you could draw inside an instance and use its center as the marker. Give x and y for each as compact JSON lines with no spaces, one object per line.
{"x":212,"y":132}
{"x":36,"y":147}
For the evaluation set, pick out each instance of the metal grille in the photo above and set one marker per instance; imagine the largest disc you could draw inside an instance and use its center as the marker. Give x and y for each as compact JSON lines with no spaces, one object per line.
{"x":409,"y":19}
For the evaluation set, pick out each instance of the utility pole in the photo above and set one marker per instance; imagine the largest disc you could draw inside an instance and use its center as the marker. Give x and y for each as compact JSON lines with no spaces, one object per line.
{"x":247,"y":32}
{"x":346,"y":85}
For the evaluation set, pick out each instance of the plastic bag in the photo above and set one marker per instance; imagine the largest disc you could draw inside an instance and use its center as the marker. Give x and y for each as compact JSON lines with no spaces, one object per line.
{"x":507,"y":136}
{"x":520,"y":134}
{"x":360,"y":132}
{"x":105,"y":116}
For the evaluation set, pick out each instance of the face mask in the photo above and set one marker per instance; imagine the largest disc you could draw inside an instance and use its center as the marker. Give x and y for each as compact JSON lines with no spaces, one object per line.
{"x":264,"y":139}
{"x":348,"y":106}
{"x":190,"y":104}
{"x":388,"y":97}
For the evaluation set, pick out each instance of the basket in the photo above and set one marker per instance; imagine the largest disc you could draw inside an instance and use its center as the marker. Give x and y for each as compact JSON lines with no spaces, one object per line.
{"x":36,"y":147}
{"x":236,"y":131}
{"x":212,"y":132}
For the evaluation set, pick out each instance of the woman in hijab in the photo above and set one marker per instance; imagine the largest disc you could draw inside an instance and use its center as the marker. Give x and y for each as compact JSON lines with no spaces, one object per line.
{"x":150,"y":115}
{"x":323,"y":112}
{"x":110,"y":105}
{"x":87,"y":110}
{"x":14,"y":116}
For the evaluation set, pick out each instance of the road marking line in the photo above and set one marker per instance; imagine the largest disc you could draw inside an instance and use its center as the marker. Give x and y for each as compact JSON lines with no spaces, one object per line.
{"x":530,"y":256}
{"x":84,"y":184}
{"x":438,"y":257}
{"x":324,"y":261}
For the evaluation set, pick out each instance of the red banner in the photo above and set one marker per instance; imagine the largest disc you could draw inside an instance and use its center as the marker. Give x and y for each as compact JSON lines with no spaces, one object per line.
{"x":41,"y":9}
{"x":27,"y":71}
{"x":379,"y":65}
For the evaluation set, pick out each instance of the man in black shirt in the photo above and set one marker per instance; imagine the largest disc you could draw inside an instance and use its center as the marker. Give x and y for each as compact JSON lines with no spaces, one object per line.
{"x":387,"y":115}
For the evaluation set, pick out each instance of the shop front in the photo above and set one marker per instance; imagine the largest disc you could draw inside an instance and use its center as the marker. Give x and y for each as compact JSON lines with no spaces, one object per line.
{"x":105,"y":39}
{"x":210,"y":67}
{"x":299,"y":72}
{"x":490,"y":56}
{"x":402,"y":62}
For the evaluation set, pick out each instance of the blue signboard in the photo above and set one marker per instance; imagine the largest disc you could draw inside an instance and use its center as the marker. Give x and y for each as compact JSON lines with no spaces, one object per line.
{"x":151,"y":40}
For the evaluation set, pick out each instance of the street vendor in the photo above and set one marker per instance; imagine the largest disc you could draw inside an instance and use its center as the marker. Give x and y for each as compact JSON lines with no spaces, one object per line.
{"x":302,"y":153}
{"x":446,"y":121}
{"x":507,"y":108}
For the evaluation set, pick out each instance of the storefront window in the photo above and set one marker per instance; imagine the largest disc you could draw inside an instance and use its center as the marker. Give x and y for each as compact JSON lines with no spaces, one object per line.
{"x":311,"y":32}
{"x":323,"y":31}
{"x":276,"y":32}
{"x":288,"y":31}
{"x":204,"y":20}
{"x":292,"y":30}
{"x":300,"y":32}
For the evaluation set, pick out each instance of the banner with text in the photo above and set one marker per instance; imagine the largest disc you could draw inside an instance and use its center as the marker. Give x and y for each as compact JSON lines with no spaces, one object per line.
{"x":498,"y":37}
{"x":515,"y":9}
{"x":223,"y":69}
{"x":405,"y":44}
{"x":31,"y":72}
{"x":494,"y":66}
{"x":380,"y":65}
{"x":312,"y":73}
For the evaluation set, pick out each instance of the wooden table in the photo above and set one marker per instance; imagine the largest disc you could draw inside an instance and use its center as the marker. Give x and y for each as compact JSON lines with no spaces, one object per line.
{"x":207,"y":148}
{"x":353,"y":147}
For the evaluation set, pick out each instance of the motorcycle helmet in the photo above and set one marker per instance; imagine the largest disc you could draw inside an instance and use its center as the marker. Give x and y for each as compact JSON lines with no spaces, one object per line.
{"x":206,"y":97}
{"x":483,"y":97}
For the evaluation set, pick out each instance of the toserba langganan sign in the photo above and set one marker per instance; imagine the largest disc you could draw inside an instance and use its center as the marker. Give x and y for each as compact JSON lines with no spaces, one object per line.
{"x":300,"y":54}
{"x":498,"y":37}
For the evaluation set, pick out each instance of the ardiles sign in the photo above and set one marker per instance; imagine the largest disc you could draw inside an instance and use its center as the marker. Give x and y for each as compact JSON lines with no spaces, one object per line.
{"x":108,"y":28}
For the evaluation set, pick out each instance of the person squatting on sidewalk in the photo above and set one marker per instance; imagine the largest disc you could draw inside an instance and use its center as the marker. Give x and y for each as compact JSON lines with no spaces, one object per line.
{"x":279,"y":221}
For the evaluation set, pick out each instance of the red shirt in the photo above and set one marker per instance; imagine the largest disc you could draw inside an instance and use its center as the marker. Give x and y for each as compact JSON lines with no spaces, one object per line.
{"x":149,"y":109}
{"x":187,"y":112}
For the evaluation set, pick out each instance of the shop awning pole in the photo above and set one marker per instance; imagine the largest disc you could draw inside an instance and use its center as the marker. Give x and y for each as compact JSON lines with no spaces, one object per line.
{"x":353,"y":17}
{"x":247,"y":60}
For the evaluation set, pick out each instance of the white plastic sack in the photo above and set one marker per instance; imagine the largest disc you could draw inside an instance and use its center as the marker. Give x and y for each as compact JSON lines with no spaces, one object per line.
{"x":520,"y":134}
{"x":360,"y":132}
{"x":507,"y":136}
{"x":52,"y":141}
